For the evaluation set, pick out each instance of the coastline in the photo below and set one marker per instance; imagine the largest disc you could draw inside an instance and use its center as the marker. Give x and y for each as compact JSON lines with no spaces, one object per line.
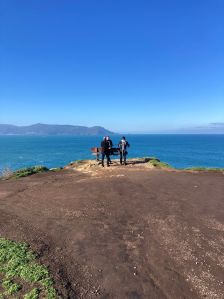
{"x":147,"y":162}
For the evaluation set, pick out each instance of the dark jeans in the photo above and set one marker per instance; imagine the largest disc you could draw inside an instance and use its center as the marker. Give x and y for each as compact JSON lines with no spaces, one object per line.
{"x":107,"y":156}
{"x":123,"y":156}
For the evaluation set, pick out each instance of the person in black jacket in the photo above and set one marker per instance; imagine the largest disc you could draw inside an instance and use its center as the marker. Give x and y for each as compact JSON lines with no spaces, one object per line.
{"x":105,"y":149}
{"x":110,"y":147}
{"x":122,"y":145}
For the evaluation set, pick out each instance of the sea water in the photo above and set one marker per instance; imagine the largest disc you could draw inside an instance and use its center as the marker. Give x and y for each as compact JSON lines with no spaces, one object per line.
{"x":54,"y":151}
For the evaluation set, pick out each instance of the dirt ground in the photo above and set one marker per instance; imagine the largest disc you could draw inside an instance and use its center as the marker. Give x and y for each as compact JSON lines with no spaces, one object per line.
{"x":122,"y":232}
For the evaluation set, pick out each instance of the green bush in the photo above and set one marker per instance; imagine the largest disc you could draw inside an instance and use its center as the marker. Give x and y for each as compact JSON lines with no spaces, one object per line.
{"x":157,"y":163}
{"x":29,"y":171}
{"x":18,"y":262}
{"x":34,"y":294}
{"x":10,"y":286}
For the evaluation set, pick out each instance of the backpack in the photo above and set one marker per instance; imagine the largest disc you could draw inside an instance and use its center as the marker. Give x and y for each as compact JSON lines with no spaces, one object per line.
{"x":123,"y":145}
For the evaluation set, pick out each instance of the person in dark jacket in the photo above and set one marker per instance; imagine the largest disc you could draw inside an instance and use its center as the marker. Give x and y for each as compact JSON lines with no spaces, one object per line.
{"x":110,"y":147}
{"x":122,"y":145}
{"x":105,"y":151}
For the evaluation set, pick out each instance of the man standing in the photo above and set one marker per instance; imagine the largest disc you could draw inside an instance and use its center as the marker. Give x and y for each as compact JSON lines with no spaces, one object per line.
{"x":110,"y":147}
{"x":122,"y":145}
{"x":105,"y":151}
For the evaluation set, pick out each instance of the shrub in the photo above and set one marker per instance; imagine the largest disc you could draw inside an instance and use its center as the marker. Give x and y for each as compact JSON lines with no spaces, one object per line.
{"x":157,"y":163}
{"x":29,"y":171}
{"x":17,"y":261}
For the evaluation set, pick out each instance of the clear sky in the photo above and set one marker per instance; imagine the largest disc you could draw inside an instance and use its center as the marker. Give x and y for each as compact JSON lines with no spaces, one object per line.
{"x":126,"y":65}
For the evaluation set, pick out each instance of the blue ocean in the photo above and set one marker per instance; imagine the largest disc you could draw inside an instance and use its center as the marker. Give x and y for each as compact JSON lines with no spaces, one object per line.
{"x":54,"y":151}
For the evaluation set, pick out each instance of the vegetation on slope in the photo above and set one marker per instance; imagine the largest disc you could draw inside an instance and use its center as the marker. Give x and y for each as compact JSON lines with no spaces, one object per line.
{"x":24,"y":172}
{"x":157,"y":163}
{"x":210,"y":169}
{"x":29,"y":171}
{"x":21,"y":275}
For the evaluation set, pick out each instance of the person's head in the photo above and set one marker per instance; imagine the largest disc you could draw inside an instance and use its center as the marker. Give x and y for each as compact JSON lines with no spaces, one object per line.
{"x":107,"y":138}
{"x":123,"y":138}
{"x":104,"y":138}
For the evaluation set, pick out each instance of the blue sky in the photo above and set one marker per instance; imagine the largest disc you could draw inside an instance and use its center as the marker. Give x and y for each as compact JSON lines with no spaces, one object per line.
{"x":133,"y":66}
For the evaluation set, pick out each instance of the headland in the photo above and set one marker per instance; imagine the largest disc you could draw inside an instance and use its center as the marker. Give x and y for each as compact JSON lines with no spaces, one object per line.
{"x":135,"y":231}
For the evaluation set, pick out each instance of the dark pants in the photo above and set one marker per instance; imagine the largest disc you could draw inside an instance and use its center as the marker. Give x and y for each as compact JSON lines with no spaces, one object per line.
{"x":106,"y":153}
{"x":123,"y":156}
{"x":109,"y":159}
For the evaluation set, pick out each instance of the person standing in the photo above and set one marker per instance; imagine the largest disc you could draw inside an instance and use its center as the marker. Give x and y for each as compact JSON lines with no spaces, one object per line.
{"x":110,"y":147}
{"x":105,"y":151}
{"x":122,"y":145}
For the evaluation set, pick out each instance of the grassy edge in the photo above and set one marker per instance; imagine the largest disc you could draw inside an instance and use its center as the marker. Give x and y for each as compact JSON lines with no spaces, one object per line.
{"x":17,"y":261}
{"x":162,"y":165}
{"x":204,"y":169}
{"x":153,"y":161}
{"x":158,"y":164}
{"x":27,"y":171}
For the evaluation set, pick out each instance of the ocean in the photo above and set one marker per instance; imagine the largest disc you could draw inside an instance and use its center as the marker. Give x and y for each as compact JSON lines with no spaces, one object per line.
{"x":179,"y":151}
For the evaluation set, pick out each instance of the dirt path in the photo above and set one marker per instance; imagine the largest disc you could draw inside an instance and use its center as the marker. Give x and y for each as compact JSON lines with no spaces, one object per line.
{"x":122,"y":232}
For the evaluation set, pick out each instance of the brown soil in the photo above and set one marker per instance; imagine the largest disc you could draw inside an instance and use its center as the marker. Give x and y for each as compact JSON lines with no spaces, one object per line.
{"x":122,"y":232}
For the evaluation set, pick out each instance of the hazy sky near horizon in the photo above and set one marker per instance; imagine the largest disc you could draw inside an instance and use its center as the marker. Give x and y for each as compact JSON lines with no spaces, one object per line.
{"x":126,"y":65}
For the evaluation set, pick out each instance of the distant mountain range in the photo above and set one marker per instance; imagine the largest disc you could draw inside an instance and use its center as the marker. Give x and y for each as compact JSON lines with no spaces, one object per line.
{"x":43,"y":129}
